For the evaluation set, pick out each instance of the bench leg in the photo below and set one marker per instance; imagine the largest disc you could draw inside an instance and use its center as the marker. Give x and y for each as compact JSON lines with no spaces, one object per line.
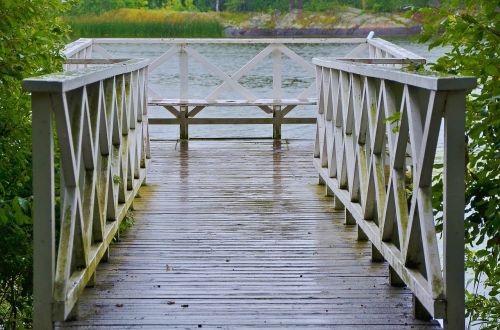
{"x":277,"y":122}
{"x":184,"y":129}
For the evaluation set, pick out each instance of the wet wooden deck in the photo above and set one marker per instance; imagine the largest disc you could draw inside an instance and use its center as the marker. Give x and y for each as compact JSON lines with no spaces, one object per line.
{"x":235,"y":234}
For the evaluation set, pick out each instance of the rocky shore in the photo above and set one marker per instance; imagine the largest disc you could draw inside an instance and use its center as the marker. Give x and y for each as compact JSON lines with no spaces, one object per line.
{"x":338,"y":23}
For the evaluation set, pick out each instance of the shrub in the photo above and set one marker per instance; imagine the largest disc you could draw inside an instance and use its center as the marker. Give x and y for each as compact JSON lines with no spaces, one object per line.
{"x":31,"y":38}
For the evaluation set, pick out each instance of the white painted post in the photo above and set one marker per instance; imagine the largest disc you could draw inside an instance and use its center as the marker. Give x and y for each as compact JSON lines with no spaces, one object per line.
{"x":277,"y":92}
{"x":277,"y":73}
{"x":453,"y":210}
{"x":43,"y":211}
{"x":184,"y":95}
{"x":183,"y":72}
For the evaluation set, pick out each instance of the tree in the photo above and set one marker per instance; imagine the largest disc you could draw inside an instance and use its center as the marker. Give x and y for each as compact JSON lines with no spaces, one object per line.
{"x":292,"y":6}
{"x":472,"y":29}
{"x":156,"y":3}
{"x":32,"y":35}
{"x":84,"y":7}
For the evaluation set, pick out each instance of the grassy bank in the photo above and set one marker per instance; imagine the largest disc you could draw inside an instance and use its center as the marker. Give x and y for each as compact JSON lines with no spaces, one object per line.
{"x":146,"y":23}
{"x":167,"y":23}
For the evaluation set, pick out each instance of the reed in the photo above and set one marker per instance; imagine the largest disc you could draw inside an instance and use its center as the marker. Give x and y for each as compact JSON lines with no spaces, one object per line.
{"x":146,"y":23}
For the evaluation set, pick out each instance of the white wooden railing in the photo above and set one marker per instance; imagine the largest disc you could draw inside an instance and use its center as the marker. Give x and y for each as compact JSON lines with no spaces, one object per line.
{"x":100,"y":116}
{"x":182,"y":51}
{"x":376,"y":140}
{"x":378,"y":169}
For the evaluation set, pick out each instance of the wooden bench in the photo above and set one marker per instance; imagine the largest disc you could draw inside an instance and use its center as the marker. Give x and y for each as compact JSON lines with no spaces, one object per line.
{"x":184,"y":112}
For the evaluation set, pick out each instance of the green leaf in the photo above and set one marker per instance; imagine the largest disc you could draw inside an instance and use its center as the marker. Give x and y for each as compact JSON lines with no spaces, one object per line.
{"x":492,"y":70}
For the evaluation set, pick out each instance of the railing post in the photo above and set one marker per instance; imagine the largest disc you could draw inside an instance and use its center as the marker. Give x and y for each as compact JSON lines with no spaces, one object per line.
{"x":183,"y":72}
{"x":277,"y":74}
{"x":183,"y":93}
{"x":43,"y":211}
{"x":453,"y":210}
{"x":277,"y":92}
{"x":183,"y":126}
{"x":277,"y":119}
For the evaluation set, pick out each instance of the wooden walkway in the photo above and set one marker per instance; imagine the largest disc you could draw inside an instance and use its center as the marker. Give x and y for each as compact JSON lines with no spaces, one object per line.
{"x":235,"y":234}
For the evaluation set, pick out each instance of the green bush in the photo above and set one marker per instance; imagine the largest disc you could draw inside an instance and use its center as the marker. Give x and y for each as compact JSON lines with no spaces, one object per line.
{"x":85,"y":7}
{"x":471,"y":29}
{"x":31,"y":38}
{"x":256,"y":5}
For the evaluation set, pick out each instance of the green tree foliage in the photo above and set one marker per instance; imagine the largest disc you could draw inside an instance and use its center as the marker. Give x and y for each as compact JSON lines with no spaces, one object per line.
{"x":472,"y":29}
{"x":256,"y":5}
{"x":322,"y":5}
{"x":181,"y":5}
{"x":85,"y":7}
{"x":31,"y":37}
{"x":154,"y":4}
{"x":100,"y":6}
{"x":392,"y":5}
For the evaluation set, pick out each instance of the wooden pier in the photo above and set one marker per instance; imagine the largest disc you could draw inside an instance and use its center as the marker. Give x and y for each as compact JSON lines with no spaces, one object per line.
{"x":236,"y":234}
{"x":336,"y":231}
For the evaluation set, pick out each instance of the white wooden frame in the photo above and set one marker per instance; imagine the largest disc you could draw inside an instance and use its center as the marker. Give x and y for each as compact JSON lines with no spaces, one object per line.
{"x":367,"y":163}
{"x":100,"y":117}
{"x":185,"y":109}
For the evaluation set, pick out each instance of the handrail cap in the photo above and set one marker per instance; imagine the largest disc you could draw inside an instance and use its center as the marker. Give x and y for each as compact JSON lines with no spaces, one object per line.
{"x":69,"y":80}
{"x":432,"y":82}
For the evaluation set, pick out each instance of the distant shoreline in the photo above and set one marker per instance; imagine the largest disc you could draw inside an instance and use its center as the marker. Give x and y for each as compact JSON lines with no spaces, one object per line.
{"x":345,"y":22}
{"x":317,"y":32}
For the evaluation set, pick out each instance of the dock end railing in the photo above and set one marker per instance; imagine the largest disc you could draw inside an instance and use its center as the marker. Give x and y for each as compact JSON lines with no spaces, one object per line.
{"x":185,"y":106}
{"x":377,"y":149}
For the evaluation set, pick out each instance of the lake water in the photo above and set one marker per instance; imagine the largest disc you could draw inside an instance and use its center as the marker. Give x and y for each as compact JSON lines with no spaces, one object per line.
{"x":229,"y":58}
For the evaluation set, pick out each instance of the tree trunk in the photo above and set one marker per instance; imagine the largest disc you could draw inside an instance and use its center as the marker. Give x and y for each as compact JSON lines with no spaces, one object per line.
{"x":217,"y":5}
{"x":299,"y":5}
{"x":292,"y":5}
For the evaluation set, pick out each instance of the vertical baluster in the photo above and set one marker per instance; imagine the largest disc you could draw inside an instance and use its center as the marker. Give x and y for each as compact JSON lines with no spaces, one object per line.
{"x":43,"y":211}
{"x":453,"y":209}
{"x":183,"y":93}
{"x":183,"y":72}
{"x":277,"y":73}
{"x":277,"y":91}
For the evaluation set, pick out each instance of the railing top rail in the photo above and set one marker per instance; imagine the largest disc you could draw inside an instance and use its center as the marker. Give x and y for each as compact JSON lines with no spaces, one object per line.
{"x":229,"y":40}
{"x":69,"y":80}
{"x":393,"y":49}
{"x":418,"y":79}
{"x":76,"y":46}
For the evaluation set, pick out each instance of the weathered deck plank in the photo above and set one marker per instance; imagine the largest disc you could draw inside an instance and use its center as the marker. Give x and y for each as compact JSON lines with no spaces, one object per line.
{"x":236,"y":235}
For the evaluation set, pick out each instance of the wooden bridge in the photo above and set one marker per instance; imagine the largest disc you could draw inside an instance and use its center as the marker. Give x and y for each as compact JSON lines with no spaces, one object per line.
{"x":336,"y":231}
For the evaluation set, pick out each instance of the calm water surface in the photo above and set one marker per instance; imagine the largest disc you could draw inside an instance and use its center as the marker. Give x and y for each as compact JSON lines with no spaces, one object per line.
{"x":229,"y":58}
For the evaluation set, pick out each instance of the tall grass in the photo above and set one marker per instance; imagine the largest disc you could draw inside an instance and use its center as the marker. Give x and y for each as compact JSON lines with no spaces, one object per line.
{"x":146,"y":23}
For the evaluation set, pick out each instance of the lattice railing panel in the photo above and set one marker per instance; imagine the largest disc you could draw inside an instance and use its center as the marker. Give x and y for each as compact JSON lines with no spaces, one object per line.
{"x":376,"y":141}
{"x":101,"y":121}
